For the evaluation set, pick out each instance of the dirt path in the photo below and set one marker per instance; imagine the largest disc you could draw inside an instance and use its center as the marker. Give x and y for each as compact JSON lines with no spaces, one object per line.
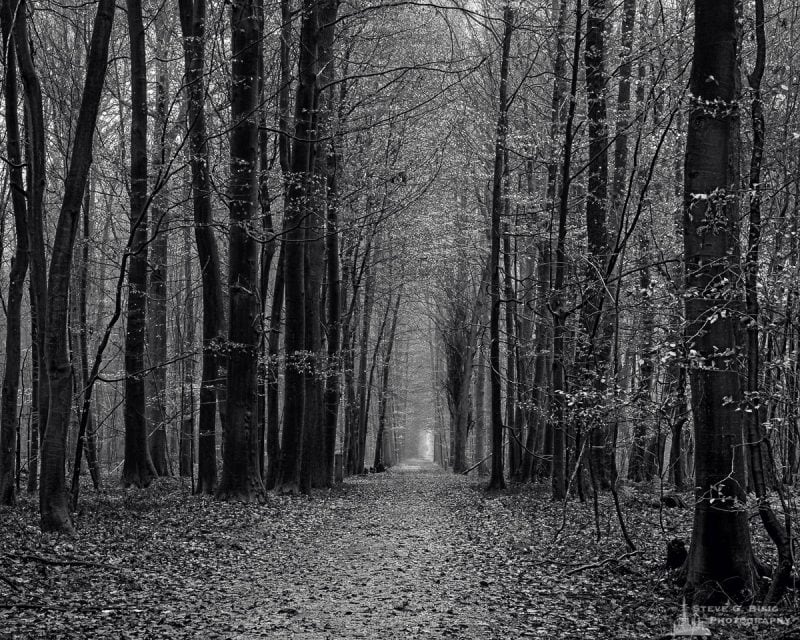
{"x":391,"y":558}
{"x":411,"y":553}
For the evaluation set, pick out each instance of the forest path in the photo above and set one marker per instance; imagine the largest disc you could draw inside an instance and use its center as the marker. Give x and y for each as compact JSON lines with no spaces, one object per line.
{"x":415,"y":552}
{"x":393,"y":556}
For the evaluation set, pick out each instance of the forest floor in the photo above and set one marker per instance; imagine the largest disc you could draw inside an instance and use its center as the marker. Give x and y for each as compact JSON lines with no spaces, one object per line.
{"x":411,"y":553}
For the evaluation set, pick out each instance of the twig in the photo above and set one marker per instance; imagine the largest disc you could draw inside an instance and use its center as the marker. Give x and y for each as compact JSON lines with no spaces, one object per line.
{"x":14,"y":586}
{"x":476,"y":465}
{"x":65,"y":563}
{"x":594,"y":565}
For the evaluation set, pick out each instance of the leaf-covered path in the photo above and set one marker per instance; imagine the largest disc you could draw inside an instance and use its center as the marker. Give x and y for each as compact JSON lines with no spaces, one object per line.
{"x":411,"y":553}
{"x":398,"y":561}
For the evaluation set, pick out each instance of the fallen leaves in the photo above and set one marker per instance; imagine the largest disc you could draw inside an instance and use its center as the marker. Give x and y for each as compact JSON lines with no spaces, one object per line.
{"x":405,"y":554}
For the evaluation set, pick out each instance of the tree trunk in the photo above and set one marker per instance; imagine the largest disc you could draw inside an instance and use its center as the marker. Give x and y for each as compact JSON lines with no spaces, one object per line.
{"x":479,"y":399}
{"x":19,"y":267}
{"x":156,"y":379}
{"x":295,"y":221}
{"x":273,"y":426}
{"x":497,"y":481}
{"x":138,"y":468}
{"x":758,"y":443}
{"x":597,"y":322}
{"x":509,"y":293}
{"x":720,"y":563}
{"x":36,"y":181}
{"x":560,"y":331}
{"x":186,"y":451}
{"x":193,"y":18}
{"x":380,"y":455}
{"x":241,"y":473}
{"x":52,"y":494}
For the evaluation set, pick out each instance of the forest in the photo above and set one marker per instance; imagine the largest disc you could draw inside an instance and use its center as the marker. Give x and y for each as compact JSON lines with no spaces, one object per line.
{"x":399,"y":318}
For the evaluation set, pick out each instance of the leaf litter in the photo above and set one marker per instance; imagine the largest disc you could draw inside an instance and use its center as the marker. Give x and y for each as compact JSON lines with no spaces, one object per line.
{"x":411,"y":553}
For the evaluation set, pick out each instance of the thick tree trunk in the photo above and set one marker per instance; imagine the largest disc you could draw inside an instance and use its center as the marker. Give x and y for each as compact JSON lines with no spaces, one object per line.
{"x":19,"y":267}
{"x":52,"y":494}
{"x":324,"y":169}
{"x":193,"y":17}
{"x":720,"y":564}
{"x":597,"y":321}
{"x":295,"y":222}
{"x":138,"y":468}
{"x":241,"y":472}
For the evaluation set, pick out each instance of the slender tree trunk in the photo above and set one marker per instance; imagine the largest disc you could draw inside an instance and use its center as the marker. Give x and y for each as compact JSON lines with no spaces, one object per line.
{"x":36,"y":181}
{"x":273,"y":426}
{"x":19,"y":267}
{"x":52,"y":494}
{"x":560,"y":331}
{"x":720,"y":564}
{"x":380,"y":455}
{"x":156,"y":379}
{"x":241,"y":473}
{"x":479,"y":398}
{"x":754,"y":414}
{"x":356,"y":453}
{"x":515,"y":442}
{"x":186,"y":443}
{"x":497,"y":481}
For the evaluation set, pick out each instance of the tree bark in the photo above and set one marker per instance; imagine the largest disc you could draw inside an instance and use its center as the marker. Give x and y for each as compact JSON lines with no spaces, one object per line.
{"x":52,"y":494}
{"x":193,"y":19}
{"x":138,"y":470}
{"x":379,"y":464}
{"x":295,"y":221}
{"x":497,"y":481}
{"x":720,"y":563}
{"x":559,"y":422}
{"x":156,"y":379}
{"x":754,"y":414}
{"x":36,"y":182}
{"x":19,"y":267}
{"x":241,"y":472}
{"x":597,"y":322}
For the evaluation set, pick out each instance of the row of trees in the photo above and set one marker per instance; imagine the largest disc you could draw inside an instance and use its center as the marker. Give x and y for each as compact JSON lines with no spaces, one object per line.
{"x":507,"y":182}
{"x":611,"y":280}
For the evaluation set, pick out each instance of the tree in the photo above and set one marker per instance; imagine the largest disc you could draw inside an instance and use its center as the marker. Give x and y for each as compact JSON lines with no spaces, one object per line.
{"x":52,"y":494}
{"x":193,"y":26}
{"x":241,"y":473}
{"x":19,"y":267}
{"x":36,"y":180}
{"x":156,"y":379}
{"x":720,"y":564}
{"x":497,"y":481}
{"x":295,"y":219}
{"x":138,"y":469}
